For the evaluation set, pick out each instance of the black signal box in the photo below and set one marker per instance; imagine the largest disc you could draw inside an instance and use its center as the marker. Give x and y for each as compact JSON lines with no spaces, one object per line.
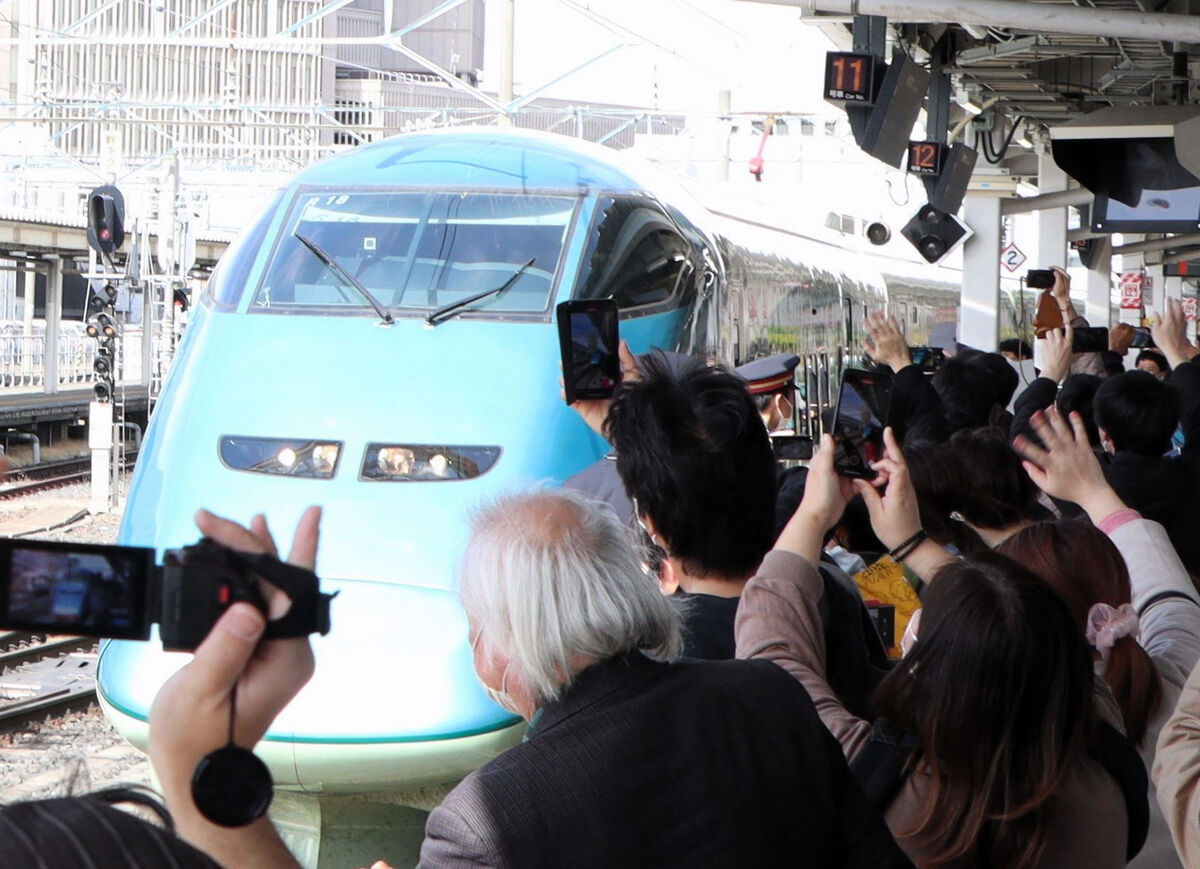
{"x":852,"y":78}
{"x":105,"y":220}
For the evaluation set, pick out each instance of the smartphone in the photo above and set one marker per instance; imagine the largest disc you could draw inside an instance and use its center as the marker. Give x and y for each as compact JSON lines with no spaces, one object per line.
{"x":927,"y":358}
{"x":1091,"y":339}
{"x":792,"y":448}
{"x":588,"y":339}
{"x":862,"y":411}
{"x":1141,"y":338}
{"x":1039,"y":279}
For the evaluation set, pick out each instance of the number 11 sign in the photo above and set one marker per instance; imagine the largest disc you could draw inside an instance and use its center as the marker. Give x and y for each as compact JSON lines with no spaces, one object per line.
{"x":850,"y":77}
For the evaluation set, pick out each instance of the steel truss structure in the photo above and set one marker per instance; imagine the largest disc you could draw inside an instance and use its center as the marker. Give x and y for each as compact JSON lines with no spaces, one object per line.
{"x":273,"y":84}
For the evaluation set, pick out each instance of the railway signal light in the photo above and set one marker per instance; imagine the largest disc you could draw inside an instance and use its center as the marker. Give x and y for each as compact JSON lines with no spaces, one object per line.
{"x":101,"y":326}
{"x":106,"y":220}
{"x":934,"y":233}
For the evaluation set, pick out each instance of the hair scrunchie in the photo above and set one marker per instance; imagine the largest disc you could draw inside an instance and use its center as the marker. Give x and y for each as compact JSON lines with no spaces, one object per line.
{"x":1106,"y":625}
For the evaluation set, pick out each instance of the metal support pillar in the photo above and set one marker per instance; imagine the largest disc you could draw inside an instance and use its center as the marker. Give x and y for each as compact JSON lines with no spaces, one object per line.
{"x":1154,"y":274}
{"x":100,"y":441}
{"x":507,"y":42}
{"x":28,"y":283}
{"x":1098,"y":308}
{"x":1131,"y":262}
{"x":937,"y":107}
{"x":1052,"y":222}
{"x":54,"y":285}
{"x":980,"y":323}
{"x":870,"y":34}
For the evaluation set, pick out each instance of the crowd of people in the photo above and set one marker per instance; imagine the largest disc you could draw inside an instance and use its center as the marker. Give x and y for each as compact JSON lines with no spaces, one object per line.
{"x":691,"y":634}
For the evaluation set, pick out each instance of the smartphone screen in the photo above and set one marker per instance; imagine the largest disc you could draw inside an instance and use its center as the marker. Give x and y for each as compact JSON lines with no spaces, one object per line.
{"x":71,"y":588}
{"x":858,"y":426}
{"x":1141,"y":337}
{"x":927,"y":358}
{"x":587,"y":335}
{"x":792,"y":448}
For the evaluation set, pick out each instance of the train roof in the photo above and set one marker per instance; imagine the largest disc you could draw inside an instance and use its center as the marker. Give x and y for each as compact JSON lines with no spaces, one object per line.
{"x":485,"y":157}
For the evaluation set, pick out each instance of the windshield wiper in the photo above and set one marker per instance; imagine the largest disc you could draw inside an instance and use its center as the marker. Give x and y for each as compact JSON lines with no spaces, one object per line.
{"x":340,"y":270}
{"x":444,"y":312}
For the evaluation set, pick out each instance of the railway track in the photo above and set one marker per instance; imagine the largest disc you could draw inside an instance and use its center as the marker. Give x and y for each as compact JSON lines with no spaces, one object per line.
{"x":44,"y":676}
{"x":50,"y":475}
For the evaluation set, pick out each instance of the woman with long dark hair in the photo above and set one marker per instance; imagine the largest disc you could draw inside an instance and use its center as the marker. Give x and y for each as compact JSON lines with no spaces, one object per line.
{"x":995,"y":692}
{"x":1124,"y":584}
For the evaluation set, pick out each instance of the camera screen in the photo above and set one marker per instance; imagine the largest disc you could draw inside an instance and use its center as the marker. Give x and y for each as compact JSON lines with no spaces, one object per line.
{"x":861,"y":416}
{"x":80,"y":589}
{"x":594,"y":367}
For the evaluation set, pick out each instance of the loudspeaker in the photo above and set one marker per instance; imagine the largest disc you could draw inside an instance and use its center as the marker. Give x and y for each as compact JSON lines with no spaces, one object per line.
{"x":882,"y":130}
{"x":947,"y":189}
{"x":934,"y":233}
{"x":878,"y":232}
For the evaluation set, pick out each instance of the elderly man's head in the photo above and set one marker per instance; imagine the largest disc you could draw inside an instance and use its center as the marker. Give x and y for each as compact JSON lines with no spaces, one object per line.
{"x":551,"y":583}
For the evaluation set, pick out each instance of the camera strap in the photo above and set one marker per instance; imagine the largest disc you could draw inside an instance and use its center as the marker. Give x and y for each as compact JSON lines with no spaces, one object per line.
{"x":309,"y":612}
{"x":232,"y":786}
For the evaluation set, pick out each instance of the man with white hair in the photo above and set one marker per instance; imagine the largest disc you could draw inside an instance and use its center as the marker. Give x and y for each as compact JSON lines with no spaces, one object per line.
{"x":630,"y":760}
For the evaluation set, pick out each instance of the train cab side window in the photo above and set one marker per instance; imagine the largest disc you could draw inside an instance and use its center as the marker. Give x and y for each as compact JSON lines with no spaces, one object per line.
{"x":635,"y":255}
{"x":230,"y":278}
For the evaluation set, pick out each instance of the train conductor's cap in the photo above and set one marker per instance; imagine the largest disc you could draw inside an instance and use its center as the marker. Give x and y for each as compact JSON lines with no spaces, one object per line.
{"x":770,"y":374}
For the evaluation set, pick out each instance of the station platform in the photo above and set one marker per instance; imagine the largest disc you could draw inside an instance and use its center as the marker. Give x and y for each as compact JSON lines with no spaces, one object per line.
{"x":18,"y":407}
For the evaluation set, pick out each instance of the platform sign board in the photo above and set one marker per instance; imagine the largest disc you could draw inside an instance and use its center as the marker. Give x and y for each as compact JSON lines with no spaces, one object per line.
{"x":1189,"y":307}
{"x":1012,"y":258}
{"x":1132,"y":285}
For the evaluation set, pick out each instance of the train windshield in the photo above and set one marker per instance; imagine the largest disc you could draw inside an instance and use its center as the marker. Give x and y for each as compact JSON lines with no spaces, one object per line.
{"x":418,"y":251}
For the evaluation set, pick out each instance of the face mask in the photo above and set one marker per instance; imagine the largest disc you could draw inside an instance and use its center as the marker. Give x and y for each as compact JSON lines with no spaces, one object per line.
{"x":499,"y":696}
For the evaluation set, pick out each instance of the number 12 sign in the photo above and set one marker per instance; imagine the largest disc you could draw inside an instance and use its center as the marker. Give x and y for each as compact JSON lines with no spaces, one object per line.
{"x":926,"y":158}
{"x":850,"y":78}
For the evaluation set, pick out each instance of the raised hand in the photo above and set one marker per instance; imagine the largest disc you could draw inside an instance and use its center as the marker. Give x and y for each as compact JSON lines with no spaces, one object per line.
{"x":594,"y":411}
{"x":887,"y":345}
{"x":1170,"y":334}
{"x":1056,"y":360}
{"x":1065,"y":466}
{"x":190,"y":715}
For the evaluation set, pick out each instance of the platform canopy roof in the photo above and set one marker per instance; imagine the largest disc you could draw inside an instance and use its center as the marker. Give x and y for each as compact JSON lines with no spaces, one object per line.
{"x":1040,"y":63}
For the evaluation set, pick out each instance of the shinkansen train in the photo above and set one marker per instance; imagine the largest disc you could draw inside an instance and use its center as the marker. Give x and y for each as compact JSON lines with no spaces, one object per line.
{"x":380,"y":341}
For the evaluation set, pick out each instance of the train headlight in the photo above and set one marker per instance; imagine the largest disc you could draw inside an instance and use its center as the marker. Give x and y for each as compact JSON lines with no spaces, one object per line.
{"x":410,"y":463}
{"x":285,"y":457}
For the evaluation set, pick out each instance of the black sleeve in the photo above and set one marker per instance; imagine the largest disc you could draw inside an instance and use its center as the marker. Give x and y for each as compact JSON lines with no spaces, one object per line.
{"x":916,"y":412}
{"x":1186,"y":379}
{"x":1039,"y":395}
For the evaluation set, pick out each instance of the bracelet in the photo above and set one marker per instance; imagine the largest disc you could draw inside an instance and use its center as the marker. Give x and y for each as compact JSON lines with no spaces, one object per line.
{"x":906,"y":548}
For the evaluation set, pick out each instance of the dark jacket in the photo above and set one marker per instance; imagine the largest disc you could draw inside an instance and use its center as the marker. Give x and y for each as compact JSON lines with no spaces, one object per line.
{"x":916,"y":412}
{"x":1039,"y":395}
{"x":640,"y":763}
{"x":1166,"y":489}
{"x":707,"y":625}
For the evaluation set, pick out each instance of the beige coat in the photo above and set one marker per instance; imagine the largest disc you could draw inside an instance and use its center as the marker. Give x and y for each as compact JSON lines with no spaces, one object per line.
{"x":778,"y":620}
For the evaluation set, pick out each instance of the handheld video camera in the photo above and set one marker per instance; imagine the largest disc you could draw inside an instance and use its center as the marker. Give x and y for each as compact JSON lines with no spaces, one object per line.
{"x":117,"y":592}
